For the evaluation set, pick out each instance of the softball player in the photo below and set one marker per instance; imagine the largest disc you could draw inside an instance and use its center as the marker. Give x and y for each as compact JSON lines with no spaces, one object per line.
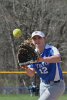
{"x":48,"y":68}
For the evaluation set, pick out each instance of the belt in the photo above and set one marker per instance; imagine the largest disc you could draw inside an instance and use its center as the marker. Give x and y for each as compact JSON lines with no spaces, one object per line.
{"x":54,"y":82}
{"x":57,"y":81}
{"x":51,"y":82}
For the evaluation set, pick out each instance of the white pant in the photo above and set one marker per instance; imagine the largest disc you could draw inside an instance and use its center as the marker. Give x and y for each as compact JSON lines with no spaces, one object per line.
{"x":51,"y":91}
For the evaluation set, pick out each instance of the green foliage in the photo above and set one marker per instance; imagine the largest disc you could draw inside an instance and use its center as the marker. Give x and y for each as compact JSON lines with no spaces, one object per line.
{"x":17,"y":97}
{"x":24,"y":97}
{"x":64,"y":97}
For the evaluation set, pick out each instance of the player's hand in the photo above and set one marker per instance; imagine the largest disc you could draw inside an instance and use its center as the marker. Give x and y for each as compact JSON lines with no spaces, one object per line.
{"x":24,"y":67}
{"x":40,"y":59}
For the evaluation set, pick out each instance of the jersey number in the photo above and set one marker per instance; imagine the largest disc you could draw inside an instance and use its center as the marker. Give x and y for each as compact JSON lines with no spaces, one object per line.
{"x":43,"y":70}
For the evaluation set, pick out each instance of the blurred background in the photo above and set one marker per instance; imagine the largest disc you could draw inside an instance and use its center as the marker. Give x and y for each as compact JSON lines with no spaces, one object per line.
{"x":49,"y":16}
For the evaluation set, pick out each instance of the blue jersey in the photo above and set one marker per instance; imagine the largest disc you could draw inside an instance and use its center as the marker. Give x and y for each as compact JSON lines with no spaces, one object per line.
{"x":48,"y":71}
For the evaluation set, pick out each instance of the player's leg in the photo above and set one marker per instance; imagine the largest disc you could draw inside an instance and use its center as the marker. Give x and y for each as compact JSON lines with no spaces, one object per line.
{"x":51,"y":92}
{"x":44,"y":93}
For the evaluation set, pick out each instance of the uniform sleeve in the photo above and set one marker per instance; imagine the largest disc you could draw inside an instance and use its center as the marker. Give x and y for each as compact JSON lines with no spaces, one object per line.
{"x":55,"y":51}
{"x":30,"y":66}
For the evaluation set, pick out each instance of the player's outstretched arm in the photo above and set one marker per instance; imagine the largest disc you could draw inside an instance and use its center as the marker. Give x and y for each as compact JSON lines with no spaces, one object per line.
{"x":52,"y":59}
{"x":29,"y":71}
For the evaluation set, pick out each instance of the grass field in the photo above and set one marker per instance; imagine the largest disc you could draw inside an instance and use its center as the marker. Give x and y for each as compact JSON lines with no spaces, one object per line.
{"x":25,"y":97}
